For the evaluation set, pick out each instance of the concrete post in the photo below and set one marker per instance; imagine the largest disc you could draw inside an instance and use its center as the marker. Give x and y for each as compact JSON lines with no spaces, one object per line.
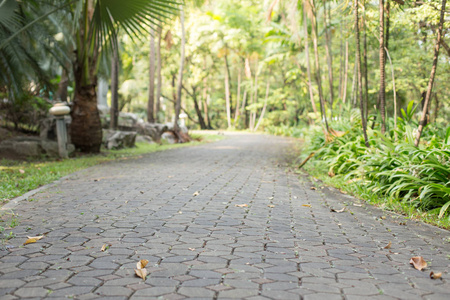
{"x":59,"y":110}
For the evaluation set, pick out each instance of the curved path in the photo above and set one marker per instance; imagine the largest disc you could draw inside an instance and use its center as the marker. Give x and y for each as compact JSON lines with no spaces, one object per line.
{"x":217,"y":221}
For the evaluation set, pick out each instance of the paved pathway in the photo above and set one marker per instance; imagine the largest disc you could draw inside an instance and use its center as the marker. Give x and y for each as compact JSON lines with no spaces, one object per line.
{"x":178,"y":209}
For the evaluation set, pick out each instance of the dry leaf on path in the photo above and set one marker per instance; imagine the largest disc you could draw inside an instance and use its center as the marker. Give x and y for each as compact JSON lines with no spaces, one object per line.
{"x":141,"y":273}
{"x":192,"y":249}
{"x":313,"y":188}
{"x":241,"y":205}
{"x":306,"y":205}
{"x":37,"y":238}
{"x":435,"y":275}
{"x":30,"y":241}
{"x":418,"y":262}
{"x":358,"y":205}
{"x":271,"y":206}
{"x":141,"y":264}
{"x":196,"y":193}
{"x":388,"y":246}
{"x":338,"y":211}
{"x":104,"y":247}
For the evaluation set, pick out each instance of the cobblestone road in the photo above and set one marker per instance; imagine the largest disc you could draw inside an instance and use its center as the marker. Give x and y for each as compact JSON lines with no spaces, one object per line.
{"x":218,"y":221}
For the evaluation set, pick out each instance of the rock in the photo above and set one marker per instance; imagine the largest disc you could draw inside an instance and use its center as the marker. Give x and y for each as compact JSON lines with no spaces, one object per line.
{"x":119,"y":139}
{"x":154,"y":131}
{"x":32,"y":147}
{"x":170,"y":137}
{"x":144,"y":139}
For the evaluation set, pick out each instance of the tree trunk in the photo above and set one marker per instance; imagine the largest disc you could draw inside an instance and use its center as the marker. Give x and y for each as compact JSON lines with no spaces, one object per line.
{"x":236,"y":115}
{"x":229,"y":83}
{"x":151,"y":83}
{"x":265,"y":105}
{"x":432,"y":75}
{"x":114,"y":111}
{"x":159,"y":75}
{"x":227,"y":93}
{"x":180,"y":74}
{"x":344,"y":87}
{"x":86,"y":128}
{"x":382,"y":94}
{"x":388,"y":23}
{"x":358,"y":62}
{"x":308,"y":65}
{"x":354,"y":94}
{"x":366,"y":79}
{"x":255,"y":100}
{"x":329,"y":58}
{"x":201,"y":120}
{"x":318,"y":76}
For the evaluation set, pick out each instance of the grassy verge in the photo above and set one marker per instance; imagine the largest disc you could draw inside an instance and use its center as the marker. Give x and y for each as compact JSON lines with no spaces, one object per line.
{"x":319,"y":170}
{"x":18,"y":177}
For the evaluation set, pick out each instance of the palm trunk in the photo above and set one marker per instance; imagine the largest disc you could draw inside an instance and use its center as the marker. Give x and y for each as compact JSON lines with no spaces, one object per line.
{"x":255,"y":99}
{"x":382,"y":94}
{"x":114,"y":111}
{"x":151,"y":84}
{"x":159,"y":75}
{"x":180,"y":74}
{"x":229,"y":84}
{"x":308,"y":66}
{"x":85,"y":128}
{"x":432,"y":75}
{"x":358,"y":62}
{"x":318,"y":76}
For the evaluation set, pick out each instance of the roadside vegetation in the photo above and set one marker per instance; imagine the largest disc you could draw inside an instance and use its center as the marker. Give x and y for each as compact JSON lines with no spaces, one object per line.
{"x":391,"y":173}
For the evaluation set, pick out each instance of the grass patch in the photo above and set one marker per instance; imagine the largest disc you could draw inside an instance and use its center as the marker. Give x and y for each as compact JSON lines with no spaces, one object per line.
{"x":18,"y":177}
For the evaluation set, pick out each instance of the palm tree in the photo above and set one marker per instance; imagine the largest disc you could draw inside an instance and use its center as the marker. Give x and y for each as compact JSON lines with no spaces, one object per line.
{"x":95,"y":24}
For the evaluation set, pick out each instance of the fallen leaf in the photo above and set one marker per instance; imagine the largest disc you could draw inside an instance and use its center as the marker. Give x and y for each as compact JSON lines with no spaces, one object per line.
{"x":435,"y":275}
{"x":418,"y":262}
{"x":192,"y":249}
{"x":358,"y":205}
{"x":339,"y":210}
{"x":271,"y":206}
{"x":104,"y":247}
{"x":241,"y":205}
{"x":270,"y":198}
{"x":313,"y":188}
{"x":21,"y":171}
{"x":388,"y":246}
{"x":141,"y":273}
{"x":141,"y":192}
{"x":306,"y":205}
{"x":196,"y":193}
{"x":30,"y":241}
{"x":37,"y":238}
{"x":141,"y":264}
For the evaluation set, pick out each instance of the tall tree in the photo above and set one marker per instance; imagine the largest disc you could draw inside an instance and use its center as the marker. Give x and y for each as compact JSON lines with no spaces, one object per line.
{"x":180,"y":72}
{"x":151,"y":84}
{"x":308,"y":64}
{"x":423,"y":120}
{"x":317,"y":63}
{"x":382,"y":92}
{"x":158,"y":73}
{"x":358,"y":62}
{"x":114,"y":110}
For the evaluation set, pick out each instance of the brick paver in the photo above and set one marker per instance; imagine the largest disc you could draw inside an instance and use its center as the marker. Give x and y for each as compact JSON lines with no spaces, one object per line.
{"x":218,"y":221}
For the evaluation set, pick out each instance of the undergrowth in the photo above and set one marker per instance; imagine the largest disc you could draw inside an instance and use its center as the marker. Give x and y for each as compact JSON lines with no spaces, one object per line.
{"x":392,"y":173}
